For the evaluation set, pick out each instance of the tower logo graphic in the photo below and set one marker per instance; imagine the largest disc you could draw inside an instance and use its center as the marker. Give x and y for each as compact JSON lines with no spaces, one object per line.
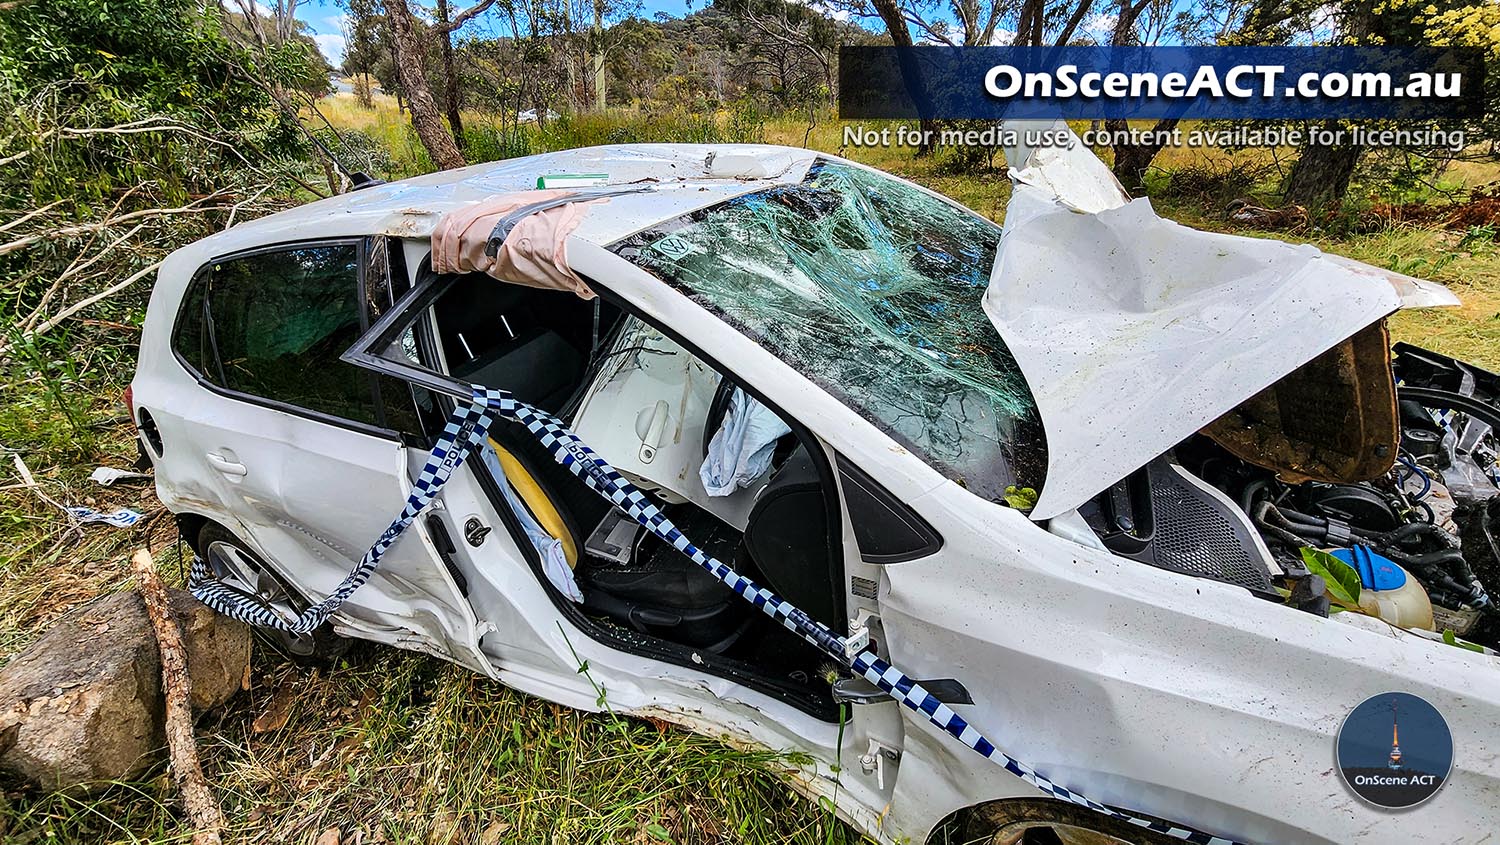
{"x":1374,"y":763}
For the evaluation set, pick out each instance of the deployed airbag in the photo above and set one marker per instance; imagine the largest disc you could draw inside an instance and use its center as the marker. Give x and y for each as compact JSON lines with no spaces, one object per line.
{"x":740,"y":450}
{"x":554,"y":556}
{"x":535,"y":252}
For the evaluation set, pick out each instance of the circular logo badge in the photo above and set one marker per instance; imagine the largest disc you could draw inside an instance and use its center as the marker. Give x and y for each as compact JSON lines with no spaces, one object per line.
{"x":1395,"y":750}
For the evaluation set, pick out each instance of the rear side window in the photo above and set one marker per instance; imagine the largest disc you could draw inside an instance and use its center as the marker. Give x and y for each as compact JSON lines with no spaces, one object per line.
{"x":278,"y":322}
{"x":191,"y":339}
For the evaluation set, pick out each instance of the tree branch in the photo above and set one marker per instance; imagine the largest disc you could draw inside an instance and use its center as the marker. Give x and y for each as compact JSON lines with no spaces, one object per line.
{"x":462,"y":17}
{"x":1073,"y":22}
{"x":202,"y":809}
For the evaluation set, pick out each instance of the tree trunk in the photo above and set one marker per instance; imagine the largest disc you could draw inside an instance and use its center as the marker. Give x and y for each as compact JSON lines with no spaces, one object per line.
{"x":1133,"y":160}
{"x":895,"y":24}
{"x":425,"y":117}
{"x":450,"y":79}
{"x":1322,"y":173}
{"x":601,"y":86}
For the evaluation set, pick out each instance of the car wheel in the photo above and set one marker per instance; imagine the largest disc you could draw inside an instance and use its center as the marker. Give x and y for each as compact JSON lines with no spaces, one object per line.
{"x":1049,"y":822}
{"x":241,"y":569}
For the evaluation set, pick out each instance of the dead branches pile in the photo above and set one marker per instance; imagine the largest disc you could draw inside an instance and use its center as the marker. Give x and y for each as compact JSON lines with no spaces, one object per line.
{"x":86,"y":255}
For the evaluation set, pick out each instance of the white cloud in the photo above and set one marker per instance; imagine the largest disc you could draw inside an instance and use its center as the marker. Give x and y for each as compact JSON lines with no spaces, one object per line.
{"x":1100,"y":25}
{"x":332,"y":46}
{"x":1002,"y":37}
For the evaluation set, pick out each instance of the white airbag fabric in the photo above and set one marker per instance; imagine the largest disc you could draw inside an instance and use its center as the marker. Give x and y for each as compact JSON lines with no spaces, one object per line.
{"x":1134,"y":332}
{"x":740,"y":450}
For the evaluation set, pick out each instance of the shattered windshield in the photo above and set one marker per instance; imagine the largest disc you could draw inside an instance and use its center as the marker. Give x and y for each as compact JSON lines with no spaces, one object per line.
{"x":871,"y":288}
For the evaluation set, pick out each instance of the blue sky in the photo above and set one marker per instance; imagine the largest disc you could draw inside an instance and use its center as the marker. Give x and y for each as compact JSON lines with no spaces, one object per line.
{"x":324,"y":19}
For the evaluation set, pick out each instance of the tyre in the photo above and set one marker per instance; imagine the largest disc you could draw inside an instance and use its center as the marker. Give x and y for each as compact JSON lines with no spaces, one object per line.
{"x":1044,"y":821}
{"x":237,"y":567}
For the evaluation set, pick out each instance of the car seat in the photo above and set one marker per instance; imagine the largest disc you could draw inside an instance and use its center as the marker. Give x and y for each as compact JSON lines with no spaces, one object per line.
{"x":786,"y":538}
{"x":658,"y":590}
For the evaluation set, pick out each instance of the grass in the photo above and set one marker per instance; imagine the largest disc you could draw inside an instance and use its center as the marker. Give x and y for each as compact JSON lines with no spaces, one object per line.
{"x":395,"y":747}
{"x":398,"y":749}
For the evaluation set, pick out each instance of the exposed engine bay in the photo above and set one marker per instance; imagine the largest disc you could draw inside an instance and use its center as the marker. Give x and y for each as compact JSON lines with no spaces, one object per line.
{"x":1422,"y":534}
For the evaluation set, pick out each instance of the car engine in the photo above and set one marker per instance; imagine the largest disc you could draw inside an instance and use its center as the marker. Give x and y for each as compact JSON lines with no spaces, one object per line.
{"x":1424,"y":538}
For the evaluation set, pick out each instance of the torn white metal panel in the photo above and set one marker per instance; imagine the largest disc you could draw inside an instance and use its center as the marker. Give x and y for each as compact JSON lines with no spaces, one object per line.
{"x":1072,"y":174}
{"x":1414,"y":292}
{"x":1134,"y":332}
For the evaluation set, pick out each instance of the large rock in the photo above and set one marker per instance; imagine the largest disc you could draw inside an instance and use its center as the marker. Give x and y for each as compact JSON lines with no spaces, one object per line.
{"x":84,"y":702}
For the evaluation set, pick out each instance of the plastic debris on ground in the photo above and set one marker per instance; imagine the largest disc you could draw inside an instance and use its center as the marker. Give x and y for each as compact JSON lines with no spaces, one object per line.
{"x":106,"y":476}
{"x":122,"y":518}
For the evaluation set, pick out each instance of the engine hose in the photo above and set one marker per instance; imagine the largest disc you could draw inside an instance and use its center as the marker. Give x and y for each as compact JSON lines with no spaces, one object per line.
{"x":1253,"y":489}
{"x":1431,"y":570}
{"x":1262,"y":515}
{"x":1393,"y":539}
{"x":1426,"y":480}
{"x":1428,"y":512}
{"x":1302,"y":519}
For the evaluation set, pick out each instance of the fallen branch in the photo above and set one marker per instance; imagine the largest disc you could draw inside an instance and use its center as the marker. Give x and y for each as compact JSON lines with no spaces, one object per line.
{"x":203,"y":811}
{"x":191,"y":208}
{"x":84,"y":303}
{"x":5,"y":227}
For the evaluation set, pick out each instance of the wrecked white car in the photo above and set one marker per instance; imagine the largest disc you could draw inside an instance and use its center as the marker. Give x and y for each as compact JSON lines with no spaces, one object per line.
{"x":774,"y":440}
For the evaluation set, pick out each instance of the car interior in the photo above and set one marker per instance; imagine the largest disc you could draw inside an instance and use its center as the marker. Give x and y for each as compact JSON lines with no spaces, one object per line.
{"x":652,"y":408}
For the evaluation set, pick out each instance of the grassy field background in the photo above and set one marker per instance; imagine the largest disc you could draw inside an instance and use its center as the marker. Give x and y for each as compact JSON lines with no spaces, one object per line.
{"x":394,"y":747}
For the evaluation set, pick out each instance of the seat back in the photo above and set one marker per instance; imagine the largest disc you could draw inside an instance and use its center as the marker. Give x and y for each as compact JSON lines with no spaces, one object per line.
{"x":787,"y":539}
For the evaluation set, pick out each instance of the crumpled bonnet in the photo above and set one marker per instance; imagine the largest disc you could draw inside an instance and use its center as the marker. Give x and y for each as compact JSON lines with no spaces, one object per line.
{"x":534,"y":254}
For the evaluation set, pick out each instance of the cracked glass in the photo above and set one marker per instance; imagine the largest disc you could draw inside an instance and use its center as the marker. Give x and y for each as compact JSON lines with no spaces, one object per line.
{"x":872,"y":288}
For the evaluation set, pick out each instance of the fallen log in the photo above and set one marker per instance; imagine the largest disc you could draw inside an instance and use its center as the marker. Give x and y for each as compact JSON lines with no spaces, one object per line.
{"x":203,"y":810}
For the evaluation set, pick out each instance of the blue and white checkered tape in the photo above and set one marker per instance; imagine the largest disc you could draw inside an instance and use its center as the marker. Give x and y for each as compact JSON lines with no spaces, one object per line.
{"x":466,"y":429}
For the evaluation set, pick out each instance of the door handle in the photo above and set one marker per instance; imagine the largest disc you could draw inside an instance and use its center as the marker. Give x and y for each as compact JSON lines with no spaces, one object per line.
{"x":224,"y":465}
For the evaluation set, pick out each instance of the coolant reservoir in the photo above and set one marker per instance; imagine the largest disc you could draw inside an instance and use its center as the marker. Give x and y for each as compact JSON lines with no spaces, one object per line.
{"x":1390,"y":592}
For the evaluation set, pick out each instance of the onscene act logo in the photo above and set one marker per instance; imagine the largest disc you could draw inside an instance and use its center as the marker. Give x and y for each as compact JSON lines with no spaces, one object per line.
{"x":1395,"y":750}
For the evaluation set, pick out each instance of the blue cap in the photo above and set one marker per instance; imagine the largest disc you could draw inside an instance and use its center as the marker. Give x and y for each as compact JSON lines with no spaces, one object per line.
{"x":1375,"y":572}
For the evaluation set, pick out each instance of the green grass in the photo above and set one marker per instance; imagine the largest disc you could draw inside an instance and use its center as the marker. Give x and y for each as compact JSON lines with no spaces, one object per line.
{"x":403,"y":749}
{"x":400,"y":747}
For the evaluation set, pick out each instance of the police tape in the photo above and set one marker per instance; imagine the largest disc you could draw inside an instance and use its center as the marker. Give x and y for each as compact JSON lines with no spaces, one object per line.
{"x":466,"y":429}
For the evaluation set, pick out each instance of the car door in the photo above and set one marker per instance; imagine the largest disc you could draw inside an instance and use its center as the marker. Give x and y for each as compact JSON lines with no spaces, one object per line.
{"x":532,"y":645}
{"x":303,"y":450}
